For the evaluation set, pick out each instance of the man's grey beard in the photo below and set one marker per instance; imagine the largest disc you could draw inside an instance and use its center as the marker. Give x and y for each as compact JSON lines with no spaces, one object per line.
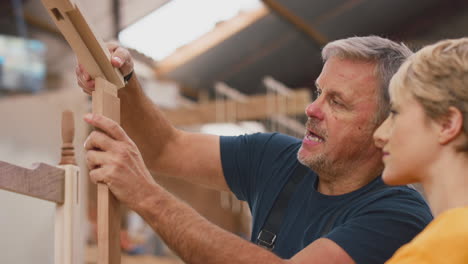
{"x":320,"y":165}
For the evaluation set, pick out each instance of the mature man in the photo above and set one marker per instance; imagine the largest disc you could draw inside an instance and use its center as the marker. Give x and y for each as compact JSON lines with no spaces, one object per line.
{"x":340,"y":212}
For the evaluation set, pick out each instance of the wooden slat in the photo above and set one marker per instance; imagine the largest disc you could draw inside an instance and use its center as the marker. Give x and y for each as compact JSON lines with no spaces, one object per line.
{"x":257,"y":107}
{"x":89,"y":49}
{"x":43,"y":182}
{"x":106,"y":102}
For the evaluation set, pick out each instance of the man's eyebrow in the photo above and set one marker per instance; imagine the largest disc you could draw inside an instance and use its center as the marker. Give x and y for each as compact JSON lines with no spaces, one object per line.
{"x":332,"y":92}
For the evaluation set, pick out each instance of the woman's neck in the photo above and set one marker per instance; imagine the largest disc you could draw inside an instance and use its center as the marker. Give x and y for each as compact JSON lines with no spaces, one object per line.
{"x":446,"y":183}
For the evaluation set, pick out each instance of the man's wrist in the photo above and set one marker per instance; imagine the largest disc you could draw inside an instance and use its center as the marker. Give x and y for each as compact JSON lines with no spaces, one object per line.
{"x":128,"y":77}
{"x":146,"y":204}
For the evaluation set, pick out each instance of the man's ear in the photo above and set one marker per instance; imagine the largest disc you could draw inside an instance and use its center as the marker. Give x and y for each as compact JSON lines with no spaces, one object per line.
{"x":451,"y":125}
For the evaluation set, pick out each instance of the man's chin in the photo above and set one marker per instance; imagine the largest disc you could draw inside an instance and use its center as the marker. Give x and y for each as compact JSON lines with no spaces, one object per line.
{"x":309,"y":160}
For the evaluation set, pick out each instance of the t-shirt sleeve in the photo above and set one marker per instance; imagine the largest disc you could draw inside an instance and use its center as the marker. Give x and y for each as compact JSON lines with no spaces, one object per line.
{"x":376,"y":232}
{"x":249,"y":160}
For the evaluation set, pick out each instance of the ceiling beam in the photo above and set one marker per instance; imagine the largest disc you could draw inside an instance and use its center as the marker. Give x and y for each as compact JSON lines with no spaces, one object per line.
{"x":297,"y":22}
{"x":255,"y":108}
{"x":221,"y":32}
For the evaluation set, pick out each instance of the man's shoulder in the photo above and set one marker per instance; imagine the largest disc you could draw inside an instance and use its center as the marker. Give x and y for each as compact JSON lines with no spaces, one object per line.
{"x":263,"y":137}
{"x":397,"y":199}
{"x":261,"y":143}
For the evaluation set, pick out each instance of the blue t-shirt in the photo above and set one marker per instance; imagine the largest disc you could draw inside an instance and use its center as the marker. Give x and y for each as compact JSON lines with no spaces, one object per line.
{"x":370,"y":224}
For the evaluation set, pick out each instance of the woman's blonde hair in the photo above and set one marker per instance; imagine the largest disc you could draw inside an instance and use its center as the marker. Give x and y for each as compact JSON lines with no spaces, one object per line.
{"x":437,"y":77}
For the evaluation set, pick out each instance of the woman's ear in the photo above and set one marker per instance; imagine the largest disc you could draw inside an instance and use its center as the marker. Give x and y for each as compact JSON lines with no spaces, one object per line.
{"x":451,"y":125}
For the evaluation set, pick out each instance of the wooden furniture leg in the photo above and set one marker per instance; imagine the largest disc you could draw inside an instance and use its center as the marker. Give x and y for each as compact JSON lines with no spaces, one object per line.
{"x":68,"y":247}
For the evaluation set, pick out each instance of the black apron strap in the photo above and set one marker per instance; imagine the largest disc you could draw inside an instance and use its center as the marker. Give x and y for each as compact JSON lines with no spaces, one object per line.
{"x":267,"y":236}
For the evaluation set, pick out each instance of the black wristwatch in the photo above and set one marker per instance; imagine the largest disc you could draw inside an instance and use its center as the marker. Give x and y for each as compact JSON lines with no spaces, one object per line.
{"x":127,"y":77}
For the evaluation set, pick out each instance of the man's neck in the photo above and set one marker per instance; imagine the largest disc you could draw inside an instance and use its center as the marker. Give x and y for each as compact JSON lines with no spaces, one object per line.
{"x":348,"y":181}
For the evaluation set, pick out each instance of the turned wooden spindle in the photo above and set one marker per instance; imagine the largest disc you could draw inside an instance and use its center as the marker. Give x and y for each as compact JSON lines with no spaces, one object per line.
{"x":68,"y":134}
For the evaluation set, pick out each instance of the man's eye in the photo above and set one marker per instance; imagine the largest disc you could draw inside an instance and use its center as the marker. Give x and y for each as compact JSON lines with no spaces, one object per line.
{"x":334,"y":102}
{"x":318,"y":93}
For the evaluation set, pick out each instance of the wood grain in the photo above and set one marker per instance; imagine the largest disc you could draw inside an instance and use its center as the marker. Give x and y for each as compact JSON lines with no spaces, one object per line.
{"x":68,"y":246}
{"x":106,"y":102}
{"x":68,"y":134}
{"x":43,"y":181}
{"x":89,"y":49}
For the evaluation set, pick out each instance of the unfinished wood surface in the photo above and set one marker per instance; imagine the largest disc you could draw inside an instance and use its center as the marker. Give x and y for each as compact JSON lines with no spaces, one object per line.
{"x":68,"y":247}
{"x":106,"y":102}
{"x":68,"y":134}
{"x":43,"y":181}
{"x":89,"y":49}
{"x":255,"y":108}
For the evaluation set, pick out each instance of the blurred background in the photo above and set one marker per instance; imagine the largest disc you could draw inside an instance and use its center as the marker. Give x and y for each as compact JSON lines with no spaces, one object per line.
{"x":221,"y":67}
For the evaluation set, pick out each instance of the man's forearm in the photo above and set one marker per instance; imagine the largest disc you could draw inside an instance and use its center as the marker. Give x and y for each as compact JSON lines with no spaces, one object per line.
{"x":194,"y":238}
{"x":144,"y":122}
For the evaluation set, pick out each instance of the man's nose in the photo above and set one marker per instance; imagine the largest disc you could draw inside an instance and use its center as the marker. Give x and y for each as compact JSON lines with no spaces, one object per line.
{"x":314,"y":110}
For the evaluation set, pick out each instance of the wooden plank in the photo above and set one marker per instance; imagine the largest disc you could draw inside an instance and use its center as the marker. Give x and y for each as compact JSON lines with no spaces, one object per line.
{"x":43,"y":181}
{"x":106,"y":102}
{"x":68,"y":247}
{"x":219,"y":34}
{"x":257,"y":107}
{"x":89,"y":49}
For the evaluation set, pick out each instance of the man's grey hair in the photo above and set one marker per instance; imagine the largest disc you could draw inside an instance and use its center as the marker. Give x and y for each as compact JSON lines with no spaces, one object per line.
{"x":388,"y":56}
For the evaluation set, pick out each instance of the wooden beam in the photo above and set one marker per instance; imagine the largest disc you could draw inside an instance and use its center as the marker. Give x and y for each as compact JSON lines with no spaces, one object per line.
{"x":43,"y":181}
{"x":297,"y":21}
{"x":220,"y":33}
{"x":290,"y":123}
{"x":106,"y":103}
{"x":89,"y":49}
{"x":255,"y":108}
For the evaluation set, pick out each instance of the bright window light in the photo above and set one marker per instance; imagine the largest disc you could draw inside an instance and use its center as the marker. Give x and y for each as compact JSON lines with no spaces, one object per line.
{"x":179,"y":22}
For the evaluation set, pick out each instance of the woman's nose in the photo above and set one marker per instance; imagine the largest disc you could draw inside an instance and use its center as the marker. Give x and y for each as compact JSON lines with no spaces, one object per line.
{"x":381,"y":134}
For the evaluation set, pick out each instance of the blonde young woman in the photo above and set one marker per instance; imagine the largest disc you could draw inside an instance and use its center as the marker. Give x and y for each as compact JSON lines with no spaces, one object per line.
{"x":425,"y":139}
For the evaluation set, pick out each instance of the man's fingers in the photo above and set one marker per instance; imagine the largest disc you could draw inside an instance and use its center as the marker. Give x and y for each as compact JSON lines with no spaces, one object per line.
{"x":121,"y":59}
{"x":107,"y":125}
{"x":98,"y":175}
{"x":98,"y":140}
{"x":95,"y":159}
{"x":84,"y":79}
